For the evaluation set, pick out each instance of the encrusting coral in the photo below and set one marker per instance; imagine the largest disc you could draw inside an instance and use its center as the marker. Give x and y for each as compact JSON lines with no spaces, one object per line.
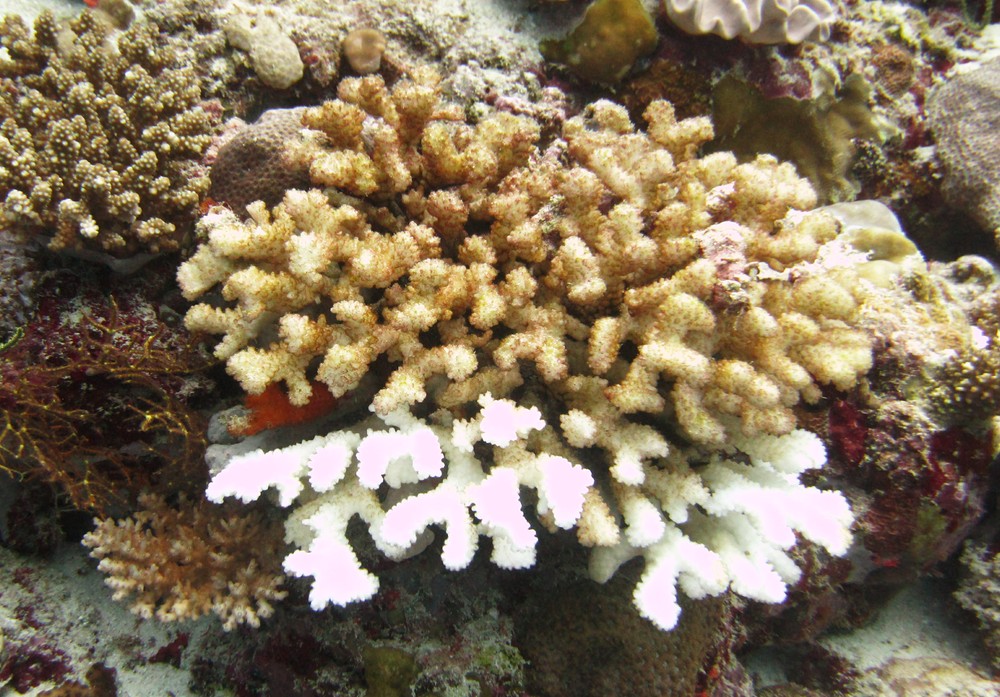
{"x":632,"y":291}
{"x":100,"y":137}
{"x":182,"y":563}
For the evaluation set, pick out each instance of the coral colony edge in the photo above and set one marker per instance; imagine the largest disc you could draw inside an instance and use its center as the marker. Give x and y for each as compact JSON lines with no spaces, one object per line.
{"x":534,"y":348}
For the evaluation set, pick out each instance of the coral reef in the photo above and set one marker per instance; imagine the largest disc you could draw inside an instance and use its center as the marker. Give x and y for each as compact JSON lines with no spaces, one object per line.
{"x":756,"y":21}
{"x":100,"y":137}
{"x":962,"y":114}
{"x":717,"y":315}
{"x":181,"y":563}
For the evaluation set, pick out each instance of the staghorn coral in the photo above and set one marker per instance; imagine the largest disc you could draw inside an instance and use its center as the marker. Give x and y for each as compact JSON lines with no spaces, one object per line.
{"x":182,"y":563}
{"x":638,"y":278}
{"x":100,"y":137}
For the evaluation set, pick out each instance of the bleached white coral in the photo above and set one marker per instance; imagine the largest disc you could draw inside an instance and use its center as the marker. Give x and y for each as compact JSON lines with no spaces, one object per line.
{"x":728,"y":524}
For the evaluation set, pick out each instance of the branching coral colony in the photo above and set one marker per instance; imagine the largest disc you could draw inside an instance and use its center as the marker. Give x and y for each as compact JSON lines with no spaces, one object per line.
{"x":621,"y":326}
{"x":99,"y":138}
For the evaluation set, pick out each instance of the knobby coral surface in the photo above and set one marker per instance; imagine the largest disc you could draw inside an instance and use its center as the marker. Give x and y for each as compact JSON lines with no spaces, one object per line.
{"x":616,"y":268}
{"x":100,"y":136}
{"x":182,"y":563}
{"x":634,"y":292}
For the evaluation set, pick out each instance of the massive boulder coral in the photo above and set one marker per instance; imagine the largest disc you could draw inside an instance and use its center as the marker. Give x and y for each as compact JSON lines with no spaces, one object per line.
{"x":100,"y":138}
{"x":963,"y":115}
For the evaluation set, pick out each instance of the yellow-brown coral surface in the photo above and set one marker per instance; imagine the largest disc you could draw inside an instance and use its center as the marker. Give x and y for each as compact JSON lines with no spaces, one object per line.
{"x":99,"y":136}
{"x":182,"y":563}
{"x":616,"y":271}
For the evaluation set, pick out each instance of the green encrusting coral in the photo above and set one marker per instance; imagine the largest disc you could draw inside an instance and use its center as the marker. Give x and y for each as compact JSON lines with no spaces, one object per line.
{"x":613,"y":35}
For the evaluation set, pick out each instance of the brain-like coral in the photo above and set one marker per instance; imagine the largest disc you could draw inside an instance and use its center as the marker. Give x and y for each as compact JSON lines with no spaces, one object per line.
{"x":964,"y":116}
{"x":100,"y":137}
{"x":258,"y":162}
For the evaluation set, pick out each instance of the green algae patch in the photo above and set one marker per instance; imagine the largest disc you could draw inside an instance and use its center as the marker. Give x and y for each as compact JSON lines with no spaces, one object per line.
{"x":389,"y":672}
{"x":612,"y":36}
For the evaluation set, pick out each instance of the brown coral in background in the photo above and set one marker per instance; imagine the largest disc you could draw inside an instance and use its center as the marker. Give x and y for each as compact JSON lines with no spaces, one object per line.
{"x":964,"y":115}
{"x":100,"y":138}
{"x":186,"y":561}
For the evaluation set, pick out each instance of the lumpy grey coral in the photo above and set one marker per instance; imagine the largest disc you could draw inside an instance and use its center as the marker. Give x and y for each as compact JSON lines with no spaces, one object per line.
{"x":964,"y":115}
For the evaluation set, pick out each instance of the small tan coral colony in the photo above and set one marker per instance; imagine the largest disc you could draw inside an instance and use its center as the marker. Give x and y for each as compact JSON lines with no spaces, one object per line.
{"x":627,"y":291}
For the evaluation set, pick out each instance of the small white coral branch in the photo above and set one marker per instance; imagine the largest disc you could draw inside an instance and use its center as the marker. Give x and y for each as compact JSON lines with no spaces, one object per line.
{"x":345,"y":470}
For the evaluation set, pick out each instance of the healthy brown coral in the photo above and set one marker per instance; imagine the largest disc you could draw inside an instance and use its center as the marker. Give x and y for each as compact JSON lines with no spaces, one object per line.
{"x":100,"y":137}
{"x":618,"y":269}
{"x":186,"y":561}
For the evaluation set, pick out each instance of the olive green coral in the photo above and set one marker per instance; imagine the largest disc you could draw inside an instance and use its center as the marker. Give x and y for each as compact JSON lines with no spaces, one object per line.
{"x":100,"y":138}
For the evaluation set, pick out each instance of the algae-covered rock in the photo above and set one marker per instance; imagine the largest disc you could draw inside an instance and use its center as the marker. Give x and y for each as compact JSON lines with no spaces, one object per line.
{"x":389,"y":672}
{"x":613,"y":35}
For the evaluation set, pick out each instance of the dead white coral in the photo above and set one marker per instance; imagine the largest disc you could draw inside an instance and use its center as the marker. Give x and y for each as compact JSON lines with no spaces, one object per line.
{"x":756,"y":21}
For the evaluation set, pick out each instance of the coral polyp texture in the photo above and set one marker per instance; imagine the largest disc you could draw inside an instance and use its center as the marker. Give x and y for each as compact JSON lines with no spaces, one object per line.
{"x":619,"y":288}
{"x":100,"y":138}
{"x":181,"y":563}
{"x":636,"y":279}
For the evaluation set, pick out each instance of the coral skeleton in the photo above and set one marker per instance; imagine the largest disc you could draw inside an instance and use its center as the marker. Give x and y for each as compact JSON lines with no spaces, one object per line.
{"x":727,"y":523}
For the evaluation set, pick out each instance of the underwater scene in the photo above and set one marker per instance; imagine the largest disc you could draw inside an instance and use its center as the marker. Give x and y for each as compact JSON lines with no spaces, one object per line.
{"x":500,"y":348}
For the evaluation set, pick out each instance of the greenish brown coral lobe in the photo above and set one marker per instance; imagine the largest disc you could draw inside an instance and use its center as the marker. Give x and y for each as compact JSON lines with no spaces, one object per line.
{"x":100,"y":137}
{"x":613,"y":35}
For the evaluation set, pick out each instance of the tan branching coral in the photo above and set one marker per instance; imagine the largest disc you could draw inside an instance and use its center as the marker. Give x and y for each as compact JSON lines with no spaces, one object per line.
{"x":100,"y":136}
{"x":617,"y":269}
{"x":182,"y":563}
